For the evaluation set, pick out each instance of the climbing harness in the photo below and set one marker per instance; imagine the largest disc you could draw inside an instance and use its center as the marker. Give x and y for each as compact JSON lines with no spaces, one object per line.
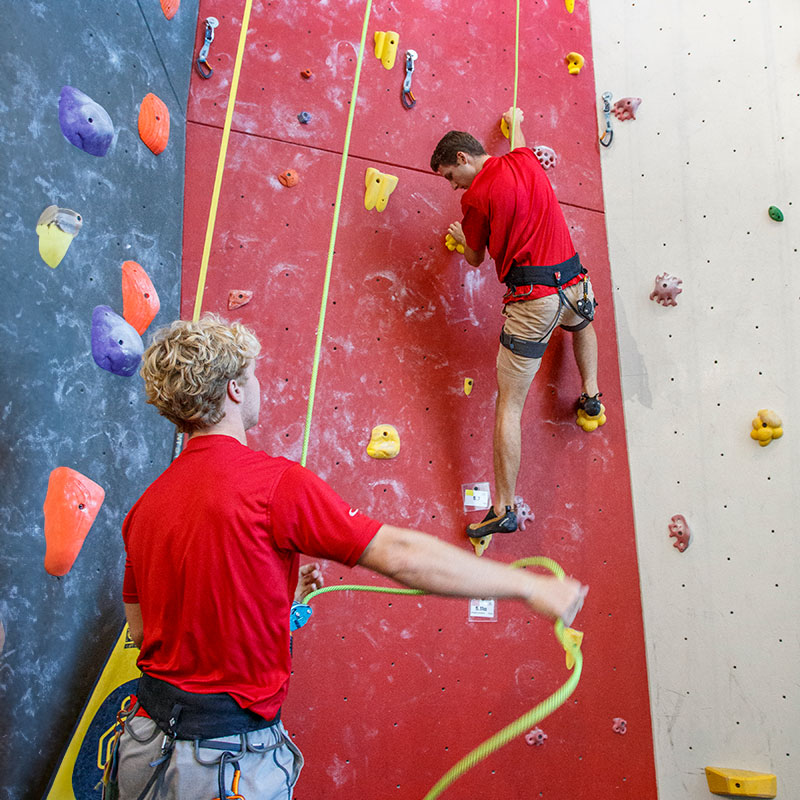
{"x":202,"y":60}
{"x":520,"y":281}
{"x":565,"y":636}
{"x":407,"y":96}
{"x":607,"y":111}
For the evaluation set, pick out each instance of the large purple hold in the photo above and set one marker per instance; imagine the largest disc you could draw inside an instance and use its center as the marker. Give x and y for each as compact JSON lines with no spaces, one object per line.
{"x":84,"y":123}
{"x":116,"y":345}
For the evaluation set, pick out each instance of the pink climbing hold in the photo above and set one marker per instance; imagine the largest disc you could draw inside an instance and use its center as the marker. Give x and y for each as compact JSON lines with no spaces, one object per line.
{"x":535,"y":737}
{"x":626,"y":108}
{"x":620,"y":726}
{"x":546,"y":155}
{"x":667,"y":288}
{"x":679,"y":530}
{"x":238,"y":298}
{"x":524,"y":513}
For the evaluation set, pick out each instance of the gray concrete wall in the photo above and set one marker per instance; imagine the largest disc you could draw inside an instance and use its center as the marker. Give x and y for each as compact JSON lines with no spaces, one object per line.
{"x":58,"y":408}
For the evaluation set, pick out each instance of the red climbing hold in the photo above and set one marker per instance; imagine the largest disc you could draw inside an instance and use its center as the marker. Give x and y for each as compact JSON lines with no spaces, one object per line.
{"x":140,"y":302}
{"x":667,"y":288}
{"x":70,"y":508}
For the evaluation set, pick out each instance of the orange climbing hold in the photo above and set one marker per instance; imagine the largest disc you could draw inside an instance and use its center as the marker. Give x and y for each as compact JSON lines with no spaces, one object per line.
{"x":170,"y":7}
{"x":70,"y":508}
{"x":140,"y":302}
{"x":154,"y":123}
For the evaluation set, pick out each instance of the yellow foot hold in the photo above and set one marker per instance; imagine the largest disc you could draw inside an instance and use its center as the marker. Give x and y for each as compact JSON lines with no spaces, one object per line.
{"x":741,"y":782}
{"x":481,"y":544}
{"x":588,"y":423}
{"x":572,"y":642}
{"x":570,"y":4}
{"x":386,"y":47}
{"x":379,"y":187}
{"x":56,"y":228}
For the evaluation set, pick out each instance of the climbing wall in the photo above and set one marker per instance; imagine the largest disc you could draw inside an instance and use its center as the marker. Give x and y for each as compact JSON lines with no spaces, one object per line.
{"x":58,"y":407}
{"x":688,"y":186}
{"x":388,"y":693}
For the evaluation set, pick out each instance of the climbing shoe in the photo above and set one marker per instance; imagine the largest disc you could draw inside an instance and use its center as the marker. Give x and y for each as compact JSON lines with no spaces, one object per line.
{"x":591,"y":406}
{"x":492,"y":523}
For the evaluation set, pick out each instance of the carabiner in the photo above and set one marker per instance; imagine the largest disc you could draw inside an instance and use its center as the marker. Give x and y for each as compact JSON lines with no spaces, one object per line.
{"x":407,"y":96}
{"x":607,"y":111}
{"x":202,"y":60}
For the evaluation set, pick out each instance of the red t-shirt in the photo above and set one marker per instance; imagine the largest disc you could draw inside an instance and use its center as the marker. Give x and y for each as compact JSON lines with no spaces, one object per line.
{"x":511,"y":209}
{"x":212,"y":558}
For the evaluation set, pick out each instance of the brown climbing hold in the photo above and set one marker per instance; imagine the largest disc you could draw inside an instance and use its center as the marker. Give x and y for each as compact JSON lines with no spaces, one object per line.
{"x":238,"y":298}
{"x":306,"y":74}
{"x":289,"y":178}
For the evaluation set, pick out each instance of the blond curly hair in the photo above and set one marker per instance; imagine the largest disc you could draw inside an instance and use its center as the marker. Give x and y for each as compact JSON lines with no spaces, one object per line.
{"x":187,"y":366}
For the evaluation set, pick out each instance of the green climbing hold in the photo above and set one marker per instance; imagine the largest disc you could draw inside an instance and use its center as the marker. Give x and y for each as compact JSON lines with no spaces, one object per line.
{"x":775,"y":213}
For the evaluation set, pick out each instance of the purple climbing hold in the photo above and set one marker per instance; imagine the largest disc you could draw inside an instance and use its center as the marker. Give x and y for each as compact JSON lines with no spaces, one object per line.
{"x":116,"y":345}
{"x":84,"y":123}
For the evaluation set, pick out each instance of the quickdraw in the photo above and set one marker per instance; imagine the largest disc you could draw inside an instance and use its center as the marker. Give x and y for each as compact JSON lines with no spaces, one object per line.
{"x":202,"y":60}
{"x":607,"y":111}
{"x":407,"y":96}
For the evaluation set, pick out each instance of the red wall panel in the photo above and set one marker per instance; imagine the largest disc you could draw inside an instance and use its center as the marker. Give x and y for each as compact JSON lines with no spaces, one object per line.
{"x":390,"y":691}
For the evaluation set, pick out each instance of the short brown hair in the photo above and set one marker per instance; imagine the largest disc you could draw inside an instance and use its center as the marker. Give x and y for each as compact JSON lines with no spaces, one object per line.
{"x":187,"y":366}
{"x":450,"y":144}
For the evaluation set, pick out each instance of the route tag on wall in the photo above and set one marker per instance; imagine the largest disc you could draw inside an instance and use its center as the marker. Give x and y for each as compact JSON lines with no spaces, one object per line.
{"x":476,"y":496}
{"x":482,"y":609}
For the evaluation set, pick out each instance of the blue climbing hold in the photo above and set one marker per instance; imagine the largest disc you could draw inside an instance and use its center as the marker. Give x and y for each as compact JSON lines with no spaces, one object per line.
{"x":304,"y":117}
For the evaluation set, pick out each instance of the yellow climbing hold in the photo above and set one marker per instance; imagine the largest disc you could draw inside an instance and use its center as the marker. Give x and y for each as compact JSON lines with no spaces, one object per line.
{"x":384,"y":442}
{"x":741,"y":782}
{"x":570,"y":4}
{"x":481,"y":544}
{"x":572,"y":642}
{"x":386,"y":47}
{"x":590,"y":424}
{"x":766,"y":427}
{"x":451,"y":244}
{"x":56,"y":228}
{"x":379,"y":187}
{"x":575,"y":62}
{"x":468,"y":384}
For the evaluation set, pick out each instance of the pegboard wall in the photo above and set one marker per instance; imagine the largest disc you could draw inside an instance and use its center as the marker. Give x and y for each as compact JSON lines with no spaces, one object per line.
{"x":58,"y":407}
{"x":687,"y":191}
{"x":388,"y":694}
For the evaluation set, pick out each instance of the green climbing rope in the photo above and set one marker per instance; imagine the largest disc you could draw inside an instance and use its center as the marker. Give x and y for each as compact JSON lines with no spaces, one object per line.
{"x":334,"y":228}
{"x":522,"y":723}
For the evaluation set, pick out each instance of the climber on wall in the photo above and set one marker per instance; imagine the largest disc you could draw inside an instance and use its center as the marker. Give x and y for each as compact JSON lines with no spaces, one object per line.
{"x":213,"y":564}
{"x":509,"y":208}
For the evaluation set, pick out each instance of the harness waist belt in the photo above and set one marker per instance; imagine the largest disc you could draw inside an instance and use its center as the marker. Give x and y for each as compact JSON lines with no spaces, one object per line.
{"x":555,"y":276}
{"x":188,"y":715}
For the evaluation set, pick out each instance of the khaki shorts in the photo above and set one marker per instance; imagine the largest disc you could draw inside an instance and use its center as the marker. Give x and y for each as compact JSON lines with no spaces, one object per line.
{"x":536,"y":320}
